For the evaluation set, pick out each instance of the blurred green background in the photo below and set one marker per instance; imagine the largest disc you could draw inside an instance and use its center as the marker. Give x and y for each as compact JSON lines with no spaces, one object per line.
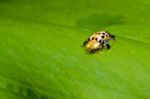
{"x":41,"y":57}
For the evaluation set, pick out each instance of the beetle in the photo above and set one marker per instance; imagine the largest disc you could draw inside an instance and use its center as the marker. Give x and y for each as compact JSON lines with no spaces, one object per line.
{"x":98,"y":40}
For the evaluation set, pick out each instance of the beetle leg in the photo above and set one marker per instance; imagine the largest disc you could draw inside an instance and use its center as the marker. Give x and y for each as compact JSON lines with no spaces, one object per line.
{"x":108,"y":46}
{"x":112,"y":36}
{"x":84,"y":43}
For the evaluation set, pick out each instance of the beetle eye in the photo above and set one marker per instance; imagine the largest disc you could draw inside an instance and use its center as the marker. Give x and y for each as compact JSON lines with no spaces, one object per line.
{"x":96,"y":39}
{"x":92,"y":38}
{"x":102,"y":36}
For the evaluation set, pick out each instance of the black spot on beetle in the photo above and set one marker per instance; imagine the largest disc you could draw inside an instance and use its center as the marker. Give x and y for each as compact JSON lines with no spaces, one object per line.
{"x":100,"y":41}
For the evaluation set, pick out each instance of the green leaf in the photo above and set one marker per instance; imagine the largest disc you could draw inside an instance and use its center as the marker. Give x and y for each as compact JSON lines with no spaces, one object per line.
{"x":41,"y":57}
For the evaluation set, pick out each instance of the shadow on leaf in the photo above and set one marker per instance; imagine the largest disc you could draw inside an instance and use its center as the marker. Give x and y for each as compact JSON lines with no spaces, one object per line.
{"x":98,"y":22}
